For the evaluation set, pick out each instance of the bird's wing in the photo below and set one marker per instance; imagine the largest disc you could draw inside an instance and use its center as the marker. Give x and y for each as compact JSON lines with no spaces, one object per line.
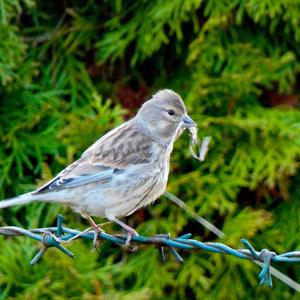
{"x":110,"y":155}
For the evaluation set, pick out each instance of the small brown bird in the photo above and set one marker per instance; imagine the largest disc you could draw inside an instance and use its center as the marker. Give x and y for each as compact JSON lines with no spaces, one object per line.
{"x":124,"y":170}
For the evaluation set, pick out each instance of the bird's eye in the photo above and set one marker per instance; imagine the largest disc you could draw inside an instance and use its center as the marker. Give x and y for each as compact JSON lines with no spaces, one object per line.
{"x":171,"y":112}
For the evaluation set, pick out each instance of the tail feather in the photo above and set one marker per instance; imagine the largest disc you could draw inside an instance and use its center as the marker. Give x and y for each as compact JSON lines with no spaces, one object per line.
{"x":20,"y":200}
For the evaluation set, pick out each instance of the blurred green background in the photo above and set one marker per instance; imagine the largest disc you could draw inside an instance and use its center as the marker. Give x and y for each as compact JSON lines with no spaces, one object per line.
{"x":71,"y":70}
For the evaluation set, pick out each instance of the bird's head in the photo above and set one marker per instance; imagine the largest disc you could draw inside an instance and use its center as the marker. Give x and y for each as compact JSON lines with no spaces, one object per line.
{"x":164,"y":116}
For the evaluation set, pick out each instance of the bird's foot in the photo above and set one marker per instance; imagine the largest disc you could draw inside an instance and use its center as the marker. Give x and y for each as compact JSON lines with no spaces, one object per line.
{"x":96,"y":241}
{"x":131,"y":233}
{"x":97,"y":230}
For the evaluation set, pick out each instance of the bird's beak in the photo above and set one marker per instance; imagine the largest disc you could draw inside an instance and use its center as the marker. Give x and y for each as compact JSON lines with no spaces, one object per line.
{"x":188,"y":122}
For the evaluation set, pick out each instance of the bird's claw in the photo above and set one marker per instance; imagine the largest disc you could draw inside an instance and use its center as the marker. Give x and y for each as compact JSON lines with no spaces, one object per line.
{"x":130,"y":233}
{"x":96,"y":241}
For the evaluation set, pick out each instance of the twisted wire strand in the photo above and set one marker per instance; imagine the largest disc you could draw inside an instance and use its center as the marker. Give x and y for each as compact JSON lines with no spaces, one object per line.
{"x":59,"y":235}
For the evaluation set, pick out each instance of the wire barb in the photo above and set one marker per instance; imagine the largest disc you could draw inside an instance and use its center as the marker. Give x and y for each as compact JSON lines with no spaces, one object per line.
{"x":52,"y":240}
{"x":55,"y":236}
{"x":265,"y":256}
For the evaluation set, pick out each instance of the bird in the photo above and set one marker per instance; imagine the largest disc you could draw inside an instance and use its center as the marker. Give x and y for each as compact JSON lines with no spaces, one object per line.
{"x":123,"y":171}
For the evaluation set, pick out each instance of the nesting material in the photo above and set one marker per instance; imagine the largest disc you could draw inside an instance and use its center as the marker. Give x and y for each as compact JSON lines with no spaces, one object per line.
{"x":195,"y":143}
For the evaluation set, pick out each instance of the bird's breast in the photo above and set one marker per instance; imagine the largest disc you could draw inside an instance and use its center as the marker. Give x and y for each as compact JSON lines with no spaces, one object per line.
{"x":161,"y":181}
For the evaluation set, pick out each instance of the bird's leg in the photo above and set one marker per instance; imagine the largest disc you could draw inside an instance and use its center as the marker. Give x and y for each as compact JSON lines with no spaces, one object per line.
{"x":96,"y":228}
{"x":130,"y":231}
{"x":84,"y":231}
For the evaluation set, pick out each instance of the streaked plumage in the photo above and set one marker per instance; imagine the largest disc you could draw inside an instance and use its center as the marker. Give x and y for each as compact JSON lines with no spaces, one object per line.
{"x":124,"y":170}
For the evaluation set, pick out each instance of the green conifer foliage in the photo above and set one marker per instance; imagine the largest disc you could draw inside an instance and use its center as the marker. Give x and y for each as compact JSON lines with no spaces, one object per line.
{"x":72,"y":70}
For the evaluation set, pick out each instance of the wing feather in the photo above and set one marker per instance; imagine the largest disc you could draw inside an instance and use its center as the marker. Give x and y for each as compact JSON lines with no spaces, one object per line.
{"x":123,"y":146}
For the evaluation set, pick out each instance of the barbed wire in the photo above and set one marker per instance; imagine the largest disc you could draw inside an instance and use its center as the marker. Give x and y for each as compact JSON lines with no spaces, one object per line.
{"x":59,"y":235}
{"x":212,"y":228}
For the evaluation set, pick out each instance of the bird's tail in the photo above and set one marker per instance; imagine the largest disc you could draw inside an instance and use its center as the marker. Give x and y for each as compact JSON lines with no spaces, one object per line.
{"x":19,"y":200}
